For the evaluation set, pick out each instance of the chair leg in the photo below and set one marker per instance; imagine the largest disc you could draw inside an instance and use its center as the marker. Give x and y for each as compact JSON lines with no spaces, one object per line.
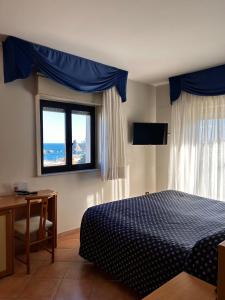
{"x":53,"y":253}
{"x":28,"y":257}
{"x":53,"y":246}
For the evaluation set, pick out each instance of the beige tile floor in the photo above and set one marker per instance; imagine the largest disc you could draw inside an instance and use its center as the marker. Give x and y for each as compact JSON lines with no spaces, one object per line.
{"x":69,"y":278}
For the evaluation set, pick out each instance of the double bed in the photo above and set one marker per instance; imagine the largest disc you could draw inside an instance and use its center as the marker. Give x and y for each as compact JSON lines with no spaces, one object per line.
{"x":145,"y":241}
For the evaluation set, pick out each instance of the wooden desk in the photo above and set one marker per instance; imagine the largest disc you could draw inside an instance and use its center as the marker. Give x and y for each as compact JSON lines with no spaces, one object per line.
{"x":13,"y":208}
{"x":14,"y":201}
{"x":184,"y":287}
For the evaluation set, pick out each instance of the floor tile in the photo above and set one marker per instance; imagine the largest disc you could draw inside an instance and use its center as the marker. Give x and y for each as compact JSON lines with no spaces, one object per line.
{"x":20,"y":269}
{"x":12,"y":287}
{"x":70,"y":236}
{"x":78,"y":258}
{"x":77,"y":235}
{"x":55,"y":271}
{"x":111,"y":290}
{"x":41,"y":255}
{"x":71,"y":289}
{"x":81,"y":271}
{"x":35,"y":298}
{"x":65,"y":255}
{"x":68,"y":243}
{"x":37,"y":288}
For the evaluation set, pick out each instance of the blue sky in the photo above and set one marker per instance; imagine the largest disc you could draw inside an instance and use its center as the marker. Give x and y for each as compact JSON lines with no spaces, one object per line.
{"x":54,"y":127}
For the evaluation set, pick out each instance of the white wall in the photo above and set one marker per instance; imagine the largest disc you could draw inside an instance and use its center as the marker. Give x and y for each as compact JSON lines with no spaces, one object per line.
{"x":76,"y":191}
{"x":140,"y":107}
{"x":163,"y":114}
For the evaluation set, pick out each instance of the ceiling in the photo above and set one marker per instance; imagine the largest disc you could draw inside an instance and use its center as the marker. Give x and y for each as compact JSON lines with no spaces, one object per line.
{"x":152,"y":39}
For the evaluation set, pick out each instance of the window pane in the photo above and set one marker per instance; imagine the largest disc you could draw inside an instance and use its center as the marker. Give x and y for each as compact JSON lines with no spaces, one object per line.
{"x":54,"y":146}
{"x":81,"y":137}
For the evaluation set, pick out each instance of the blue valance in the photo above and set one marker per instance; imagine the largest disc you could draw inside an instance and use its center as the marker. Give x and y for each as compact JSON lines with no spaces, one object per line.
{"x":20,"y":57}
{"x":208,"y":82}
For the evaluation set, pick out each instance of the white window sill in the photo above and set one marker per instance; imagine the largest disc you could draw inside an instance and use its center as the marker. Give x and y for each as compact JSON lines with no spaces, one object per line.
{"x":70,"y":172}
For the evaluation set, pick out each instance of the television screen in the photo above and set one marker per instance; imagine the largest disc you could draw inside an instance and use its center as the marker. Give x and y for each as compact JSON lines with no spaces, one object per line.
{"x":150,"y":133}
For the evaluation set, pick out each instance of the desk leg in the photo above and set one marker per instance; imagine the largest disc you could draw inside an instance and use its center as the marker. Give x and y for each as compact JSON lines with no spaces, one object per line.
{"x":52,"y":215}
{"x":6,"y":242}
{"x":55,"y":216}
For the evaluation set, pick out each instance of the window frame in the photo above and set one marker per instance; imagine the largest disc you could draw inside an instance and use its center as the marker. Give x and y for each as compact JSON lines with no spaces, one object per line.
{"x":68,"y":108}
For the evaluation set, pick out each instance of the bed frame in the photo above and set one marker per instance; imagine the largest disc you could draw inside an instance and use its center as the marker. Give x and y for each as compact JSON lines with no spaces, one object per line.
{"x":221,"y":271}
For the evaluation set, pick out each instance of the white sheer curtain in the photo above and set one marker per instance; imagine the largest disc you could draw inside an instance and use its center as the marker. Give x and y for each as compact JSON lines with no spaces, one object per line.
{"x":197,"y":153}
{"x":112,"y":154}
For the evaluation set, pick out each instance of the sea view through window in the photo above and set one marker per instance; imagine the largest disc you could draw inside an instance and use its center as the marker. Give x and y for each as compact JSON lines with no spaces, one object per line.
{"x":66,"y":137}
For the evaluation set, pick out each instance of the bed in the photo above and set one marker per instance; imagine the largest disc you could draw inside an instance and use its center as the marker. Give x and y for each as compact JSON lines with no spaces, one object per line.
{"x":145,"y":241}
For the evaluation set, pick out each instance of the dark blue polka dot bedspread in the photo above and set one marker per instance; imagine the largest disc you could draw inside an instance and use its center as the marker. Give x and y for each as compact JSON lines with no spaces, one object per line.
{"x":145,"y":241}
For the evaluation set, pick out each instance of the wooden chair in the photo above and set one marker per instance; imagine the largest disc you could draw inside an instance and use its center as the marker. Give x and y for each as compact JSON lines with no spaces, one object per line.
{"x":36,"y":230}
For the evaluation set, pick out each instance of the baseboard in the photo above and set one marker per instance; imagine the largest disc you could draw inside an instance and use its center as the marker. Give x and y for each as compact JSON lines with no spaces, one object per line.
{"x":72,"y":231}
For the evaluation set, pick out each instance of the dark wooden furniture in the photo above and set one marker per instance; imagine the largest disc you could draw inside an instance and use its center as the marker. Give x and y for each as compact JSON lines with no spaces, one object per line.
{"x":36,"y":229}
{"x":6,"y":242}
{"x":12,"y":209}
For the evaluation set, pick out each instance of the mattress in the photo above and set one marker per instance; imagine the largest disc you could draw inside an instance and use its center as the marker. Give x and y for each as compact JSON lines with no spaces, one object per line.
{"x":145,"y":241}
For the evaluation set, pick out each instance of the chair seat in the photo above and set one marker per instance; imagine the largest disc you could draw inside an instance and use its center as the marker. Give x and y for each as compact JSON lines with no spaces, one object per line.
{"x":20,"y":226}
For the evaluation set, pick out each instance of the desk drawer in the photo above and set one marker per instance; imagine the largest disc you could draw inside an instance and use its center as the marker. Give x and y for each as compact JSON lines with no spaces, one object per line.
{"x":6,"y":242}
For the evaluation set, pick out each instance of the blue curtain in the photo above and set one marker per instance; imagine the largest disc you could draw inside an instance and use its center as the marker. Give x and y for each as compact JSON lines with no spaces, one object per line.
{"x":21,"y":57}
{"x":208,"y":82}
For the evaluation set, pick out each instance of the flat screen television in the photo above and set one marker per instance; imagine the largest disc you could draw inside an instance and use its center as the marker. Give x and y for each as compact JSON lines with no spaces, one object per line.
{"x":150,"y":133}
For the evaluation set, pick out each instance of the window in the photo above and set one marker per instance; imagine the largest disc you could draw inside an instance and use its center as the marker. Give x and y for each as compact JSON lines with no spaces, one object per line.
{"x":197,"y":153}
{"x":67,"y":137}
